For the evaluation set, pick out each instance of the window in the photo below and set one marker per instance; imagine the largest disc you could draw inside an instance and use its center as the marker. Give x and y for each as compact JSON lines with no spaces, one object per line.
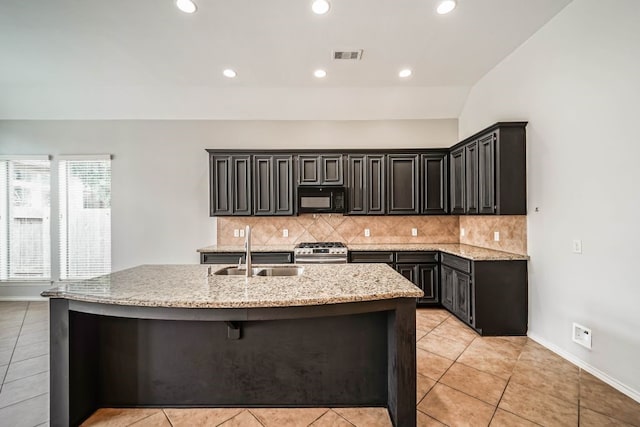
{"x":85,"y":216}
{"x":25,"y":218}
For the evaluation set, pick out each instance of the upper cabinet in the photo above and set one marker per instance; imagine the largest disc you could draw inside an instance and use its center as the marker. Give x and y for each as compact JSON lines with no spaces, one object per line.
{"x":488,"y":172}
{"x":320,"y":169}
{"x":273,"y":184}
{"x":403,"y":182}
{"x":434,"y":178}
{"x":484,"y":174}
{"x":230,"y":184}
{"x":366,"y":184}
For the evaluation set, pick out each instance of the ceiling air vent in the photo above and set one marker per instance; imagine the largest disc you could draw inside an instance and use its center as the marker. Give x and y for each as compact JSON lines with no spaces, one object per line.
{"x":351,"y":55}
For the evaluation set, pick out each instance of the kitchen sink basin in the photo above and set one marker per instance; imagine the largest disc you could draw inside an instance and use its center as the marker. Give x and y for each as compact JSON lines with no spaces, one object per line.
{"x":280,"y":271}
{"x":235,"y":271}
{"x":261,"y":271}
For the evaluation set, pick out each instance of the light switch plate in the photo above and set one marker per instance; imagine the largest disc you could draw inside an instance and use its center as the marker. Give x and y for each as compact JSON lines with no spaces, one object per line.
{"x":236,"y":233}
{"x":577,"y":246}
{"x":285,"y":232}
{"x":367,"y":232}
{"x":462,"y":232}
{"x":241,"y":232}
{"x":496,"y":236}
{"x":414,"y":232}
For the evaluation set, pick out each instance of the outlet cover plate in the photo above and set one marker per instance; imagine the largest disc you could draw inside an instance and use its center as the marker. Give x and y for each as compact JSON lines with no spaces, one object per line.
{"x":581,"y":335}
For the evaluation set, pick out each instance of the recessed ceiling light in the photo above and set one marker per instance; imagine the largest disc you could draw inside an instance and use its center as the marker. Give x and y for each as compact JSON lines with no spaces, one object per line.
{"x":187,"y":6}
{"x":229,"y":73}
{"x":404,"y":73}
{"x":320,"y":7}
{"x":446,"y":6}
{"x":320,"y":74}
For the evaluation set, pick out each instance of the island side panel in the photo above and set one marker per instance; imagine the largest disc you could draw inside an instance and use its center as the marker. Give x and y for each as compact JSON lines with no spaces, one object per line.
{"x":317,"y":362}
{"x":74,"y":391}
{"x":401,"y":370}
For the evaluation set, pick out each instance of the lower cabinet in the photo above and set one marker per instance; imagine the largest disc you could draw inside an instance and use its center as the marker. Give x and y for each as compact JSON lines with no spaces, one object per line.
{"x":421,"y":268}
{"x":239,"y":257}
{"x":489,"y":296}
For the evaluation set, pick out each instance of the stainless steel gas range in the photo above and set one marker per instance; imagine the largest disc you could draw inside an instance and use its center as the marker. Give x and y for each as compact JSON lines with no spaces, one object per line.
{"x":320,"y":253}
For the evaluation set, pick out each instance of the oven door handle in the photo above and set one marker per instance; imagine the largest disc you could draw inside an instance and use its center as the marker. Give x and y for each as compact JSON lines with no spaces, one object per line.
{"x":318,"y":260}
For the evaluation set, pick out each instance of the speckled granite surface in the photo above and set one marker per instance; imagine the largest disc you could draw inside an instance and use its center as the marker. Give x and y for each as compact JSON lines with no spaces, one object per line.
{"x":189,"y":286}
{"x":466,"y":251}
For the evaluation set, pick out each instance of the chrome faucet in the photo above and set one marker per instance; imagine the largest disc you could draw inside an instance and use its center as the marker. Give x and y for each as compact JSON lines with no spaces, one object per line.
{"x":247,"y":249}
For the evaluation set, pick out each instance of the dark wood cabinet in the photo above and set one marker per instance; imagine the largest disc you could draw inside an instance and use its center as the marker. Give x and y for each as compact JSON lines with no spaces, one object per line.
{"x":457,"y":181}
{"x":403,"y":184}
{"x":434,"y":179}
{"x":320,"y":169}
{"x":273,"y":185}
{"x":421,"y":268}
{"x":366,"y":185}
{"x":489,"y":296}
{"x":471,"y":177}
{"x":239,"y":257}
{"x":230,"y":185}
{"x":488,"y":172}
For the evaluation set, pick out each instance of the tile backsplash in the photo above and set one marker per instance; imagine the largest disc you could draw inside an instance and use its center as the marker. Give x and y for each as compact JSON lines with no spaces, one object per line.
{"x":336,"y":227}
{"x":479,"y":231}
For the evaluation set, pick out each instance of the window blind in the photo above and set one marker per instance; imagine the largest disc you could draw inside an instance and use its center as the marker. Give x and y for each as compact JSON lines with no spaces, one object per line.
{"x":25,"y":245}
{"x":85,"y":217}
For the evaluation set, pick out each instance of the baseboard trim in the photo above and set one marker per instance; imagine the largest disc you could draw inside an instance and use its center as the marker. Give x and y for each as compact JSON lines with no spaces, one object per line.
{"x":26,"y":299}
{"x":622,"y":388}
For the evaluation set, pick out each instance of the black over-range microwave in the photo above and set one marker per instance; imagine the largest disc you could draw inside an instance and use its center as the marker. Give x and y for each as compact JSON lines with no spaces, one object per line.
{"x":321,"y":199}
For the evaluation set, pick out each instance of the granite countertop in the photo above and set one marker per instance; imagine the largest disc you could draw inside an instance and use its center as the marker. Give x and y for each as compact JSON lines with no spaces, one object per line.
{"x":189,"y":286}
{"x":474,"y":253}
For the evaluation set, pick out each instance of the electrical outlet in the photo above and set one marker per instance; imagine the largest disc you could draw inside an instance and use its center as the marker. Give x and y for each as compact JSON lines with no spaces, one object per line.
{"x":236,"y":233}
{"x":496,"y":236}
{"x":462,"y":232}
{"x":285,"y":232}
{"x":414,"y":232}
{"x":577,"y":246}
{"x":581,"y":335}
{"x":242,"y":232}
{"x":367,"y":232}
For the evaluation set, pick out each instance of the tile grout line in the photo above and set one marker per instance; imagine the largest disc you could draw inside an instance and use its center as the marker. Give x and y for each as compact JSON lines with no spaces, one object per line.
{"x":23,"y":400}
{"x":323,"y":414}
{"x":340,"y":415}
{"x":14,"y":348}
{"x":254,"y":416}
{"x":230,"y":418}
{"x":167,"y":417}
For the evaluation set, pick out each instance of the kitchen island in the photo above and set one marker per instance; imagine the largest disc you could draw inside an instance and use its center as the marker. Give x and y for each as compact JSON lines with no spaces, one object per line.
{"x":174,"y":336}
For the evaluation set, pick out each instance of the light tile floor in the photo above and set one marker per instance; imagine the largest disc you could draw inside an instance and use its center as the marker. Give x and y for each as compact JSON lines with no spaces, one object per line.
{"x":463,"y":380}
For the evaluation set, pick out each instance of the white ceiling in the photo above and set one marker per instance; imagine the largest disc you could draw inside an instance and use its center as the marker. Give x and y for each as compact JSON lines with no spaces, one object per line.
{"x":146,"y":59}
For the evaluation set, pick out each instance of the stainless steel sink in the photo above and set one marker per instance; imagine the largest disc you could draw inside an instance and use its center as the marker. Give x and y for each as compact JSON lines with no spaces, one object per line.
{"x":280,"y":271}
{"x":261,"y":271}
{"x":235,"y":271}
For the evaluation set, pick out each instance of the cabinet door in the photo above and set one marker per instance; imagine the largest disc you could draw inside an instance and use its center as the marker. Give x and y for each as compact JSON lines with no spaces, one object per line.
{"x":331,"y":173}
{"x":486,"y":170}
{"x":220,"y":190}
{"x":447,"y":287}
{"x":283,"y":199}
{"x":409,"y":271}
{"x":457,"y":181}
{"x":434,"y":184}
{"x":309,"y":170}
{"x":462,"y":296}
{"x":402,"y":184}
{"x":429,"y":282}
{"x":241,"y":185}
{"x":263,"y":185}
{"x":471,"y":174}
{"x":356,"y":186}
{"x":375,"y":185}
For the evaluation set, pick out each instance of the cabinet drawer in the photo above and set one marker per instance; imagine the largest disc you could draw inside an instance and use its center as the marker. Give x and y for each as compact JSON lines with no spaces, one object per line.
{"x":417,"y":257}
{"x":458,"y":263}
{"x":373,"y":256}
{"x":220,"y":257}
{"x":272,"y":257}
